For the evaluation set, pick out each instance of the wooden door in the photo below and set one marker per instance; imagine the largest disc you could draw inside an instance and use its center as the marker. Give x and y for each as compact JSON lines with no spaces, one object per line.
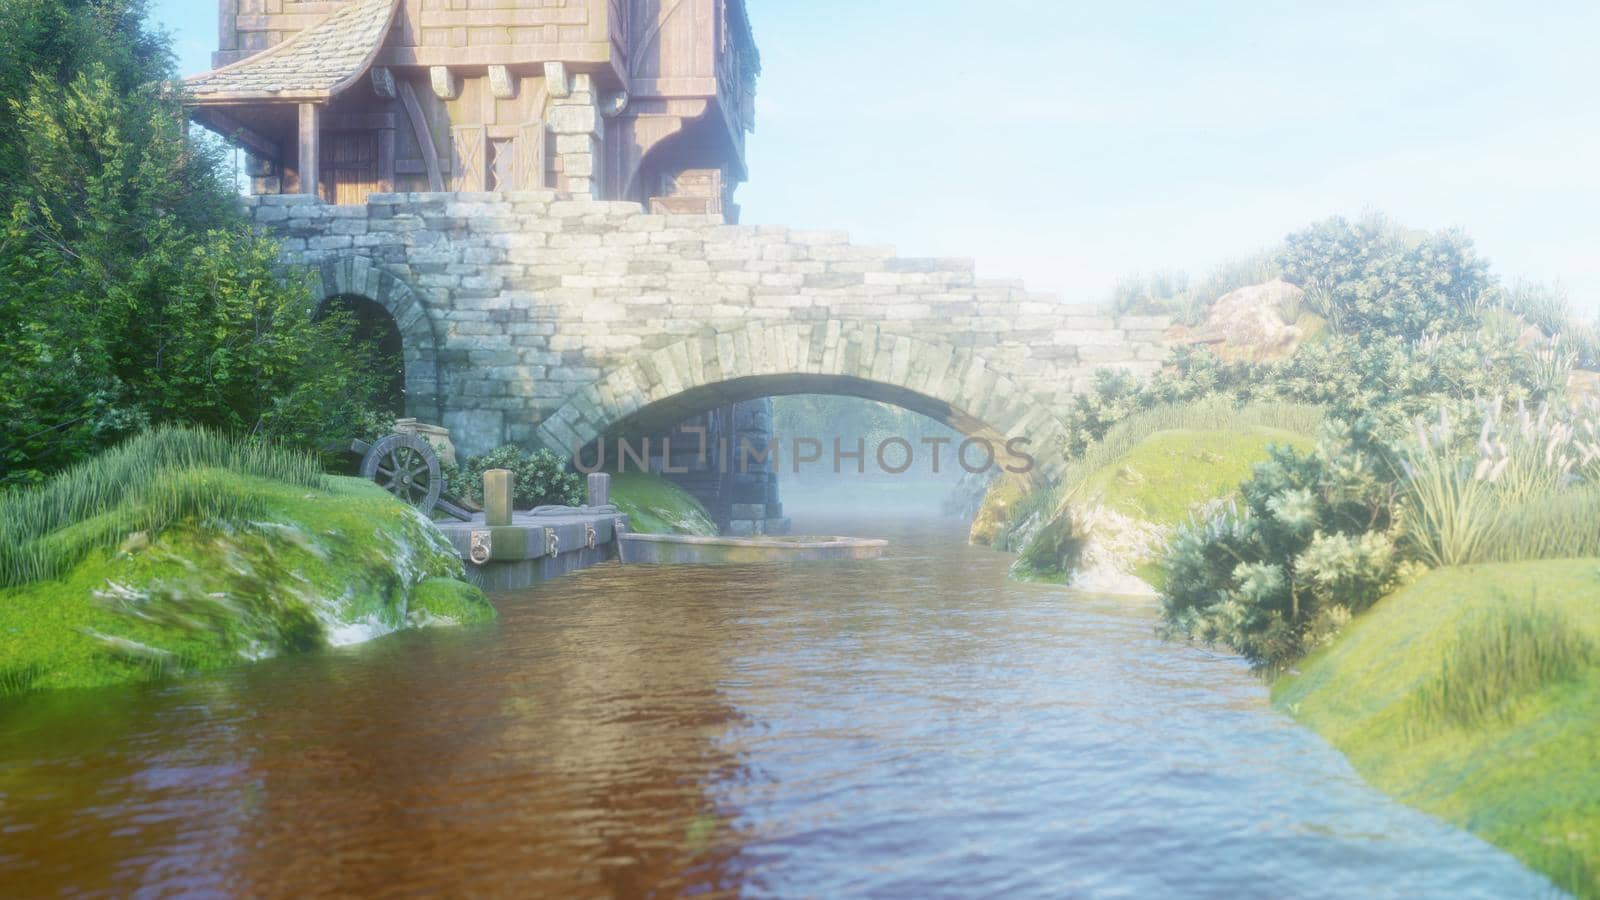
{"x":349,"y":166}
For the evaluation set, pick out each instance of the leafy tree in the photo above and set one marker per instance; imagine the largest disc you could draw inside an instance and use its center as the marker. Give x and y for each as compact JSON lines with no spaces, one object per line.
{"x":131,"y":291}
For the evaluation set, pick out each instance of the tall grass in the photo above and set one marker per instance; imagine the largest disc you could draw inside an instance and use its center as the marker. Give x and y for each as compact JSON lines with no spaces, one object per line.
{"x":150,"y":482}
{"x":1566,"y":526}
{"x":1457,"y":498}
{"x":1507,"y":652}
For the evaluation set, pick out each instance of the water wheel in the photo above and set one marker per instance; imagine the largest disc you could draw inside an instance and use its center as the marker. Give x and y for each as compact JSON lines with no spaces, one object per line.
{"x":405,"y":466}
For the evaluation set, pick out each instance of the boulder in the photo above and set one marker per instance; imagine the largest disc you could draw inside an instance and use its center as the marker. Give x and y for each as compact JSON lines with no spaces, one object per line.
{"x":1258,"y":322}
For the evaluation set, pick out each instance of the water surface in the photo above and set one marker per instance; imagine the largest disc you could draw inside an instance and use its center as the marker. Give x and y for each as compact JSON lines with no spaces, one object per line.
{"x":910,"y":727}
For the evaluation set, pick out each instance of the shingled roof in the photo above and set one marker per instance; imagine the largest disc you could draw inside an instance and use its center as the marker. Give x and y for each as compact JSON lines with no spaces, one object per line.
{"x":314,"y":64}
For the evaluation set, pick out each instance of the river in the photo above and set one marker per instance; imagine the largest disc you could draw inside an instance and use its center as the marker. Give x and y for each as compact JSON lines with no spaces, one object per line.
{"x":911,"y":727}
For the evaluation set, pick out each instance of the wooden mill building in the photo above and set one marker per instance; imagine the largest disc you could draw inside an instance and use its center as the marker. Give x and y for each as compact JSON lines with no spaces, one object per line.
{"x":642,"y":100}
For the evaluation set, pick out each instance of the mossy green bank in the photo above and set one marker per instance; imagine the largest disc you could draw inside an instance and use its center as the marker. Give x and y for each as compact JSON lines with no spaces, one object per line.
{"x":654,"y":505}
{"x":1474,"y":694}
{"x":297,"y":568}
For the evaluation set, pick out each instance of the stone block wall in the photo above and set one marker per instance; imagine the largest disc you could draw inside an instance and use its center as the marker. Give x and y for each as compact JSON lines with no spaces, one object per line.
{"x":533,"y":318}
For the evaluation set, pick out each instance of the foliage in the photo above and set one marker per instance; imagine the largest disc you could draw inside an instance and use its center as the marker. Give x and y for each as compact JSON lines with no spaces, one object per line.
{"x":1321,"y":536}
{"x":1456,"y":497}
{"x":1312,"y":544}
{"x":1549,"y":309}
{"x":1387,"y":379}
{"x":1369,"y":277}
{"x":131,"y":292}
{"x":540,"y":478}
{"x":147,"y":484}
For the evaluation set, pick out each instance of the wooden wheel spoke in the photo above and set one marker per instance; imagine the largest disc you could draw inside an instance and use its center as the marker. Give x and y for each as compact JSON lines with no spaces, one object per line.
{"x":405,"y":467}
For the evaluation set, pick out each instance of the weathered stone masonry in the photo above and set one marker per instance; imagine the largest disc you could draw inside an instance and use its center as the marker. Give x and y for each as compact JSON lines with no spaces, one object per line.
{"x":534,"y":319}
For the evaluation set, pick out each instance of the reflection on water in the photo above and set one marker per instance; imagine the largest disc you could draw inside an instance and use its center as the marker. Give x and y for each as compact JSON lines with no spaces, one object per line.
{"x":915,"y":726}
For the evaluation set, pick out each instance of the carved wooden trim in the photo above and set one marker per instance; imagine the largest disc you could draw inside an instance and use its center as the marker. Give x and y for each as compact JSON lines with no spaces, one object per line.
{"x":383,"y":82}
{"x":470,"y":147}
{"x":502,"y":84}
{"x":530,"y":156}
{"x":446,"y":86}
{"x":555,"y":79}
{"x":419,"y":127}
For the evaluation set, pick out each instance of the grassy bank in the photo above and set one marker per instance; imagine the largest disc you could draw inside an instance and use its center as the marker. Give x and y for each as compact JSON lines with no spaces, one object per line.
{"x":1474,"y":694}
{"x":1147,"y":475}
{"x":1164,"y":477}
{"x":654,"y":505}
{"x":181,"y":552}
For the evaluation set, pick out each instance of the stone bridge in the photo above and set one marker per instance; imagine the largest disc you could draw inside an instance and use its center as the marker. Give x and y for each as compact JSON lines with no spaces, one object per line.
{"x":533,"y":319}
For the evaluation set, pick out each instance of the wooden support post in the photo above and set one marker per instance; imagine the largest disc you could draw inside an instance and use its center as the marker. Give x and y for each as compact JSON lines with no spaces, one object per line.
{"x":498,"y":487}
{"x":310,"y":135}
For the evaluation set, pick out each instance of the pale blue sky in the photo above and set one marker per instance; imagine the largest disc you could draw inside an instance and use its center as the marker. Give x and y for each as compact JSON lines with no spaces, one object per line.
{"x":1069,"y":143}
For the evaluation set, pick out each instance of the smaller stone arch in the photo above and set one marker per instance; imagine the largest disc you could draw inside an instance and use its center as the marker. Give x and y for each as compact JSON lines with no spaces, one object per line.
{"x":358,"y":276}
{"x":952,"y":384}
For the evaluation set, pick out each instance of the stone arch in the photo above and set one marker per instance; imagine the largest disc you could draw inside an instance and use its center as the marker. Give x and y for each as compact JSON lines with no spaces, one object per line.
{"x":358,"y":276}
{"x":953,"y":384}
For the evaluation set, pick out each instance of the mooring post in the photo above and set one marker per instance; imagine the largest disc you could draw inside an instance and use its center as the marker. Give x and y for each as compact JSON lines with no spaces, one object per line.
{"x":498,"y":485}
{"x":599,"y":489}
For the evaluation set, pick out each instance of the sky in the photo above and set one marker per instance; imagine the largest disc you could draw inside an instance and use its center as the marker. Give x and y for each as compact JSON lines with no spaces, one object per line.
{"x":1072,"y":144}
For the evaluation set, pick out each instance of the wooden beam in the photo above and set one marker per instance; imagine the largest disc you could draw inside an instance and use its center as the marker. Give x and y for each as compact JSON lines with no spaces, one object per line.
{"x":235,"y":132}
{"x":310,"y":137}
{"x":419,"y":127}
{"x":386,"y":160}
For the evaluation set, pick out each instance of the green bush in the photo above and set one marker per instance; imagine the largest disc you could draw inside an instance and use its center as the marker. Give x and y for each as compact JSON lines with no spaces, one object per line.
{"x":539,"y":478}
{"x":1370,"y":277}
{"x":1311,"y":545}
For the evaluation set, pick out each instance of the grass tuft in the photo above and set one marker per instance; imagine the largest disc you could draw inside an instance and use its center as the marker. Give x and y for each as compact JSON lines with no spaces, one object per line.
{"x":145,"y":485}
{"x":1501,"y":655}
